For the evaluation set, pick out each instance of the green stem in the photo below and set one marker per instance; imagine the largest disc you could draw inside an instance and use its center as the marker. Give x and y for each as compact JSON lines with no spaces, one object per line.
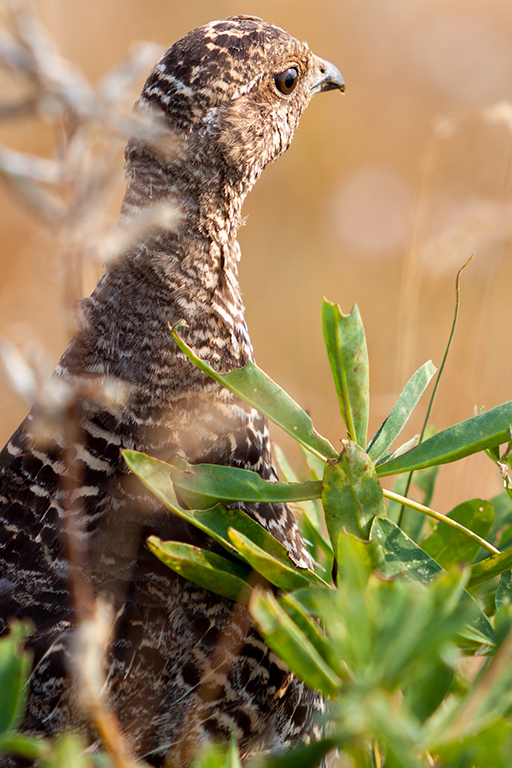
{"x":438,"y":377}
{"x":441,"y":518}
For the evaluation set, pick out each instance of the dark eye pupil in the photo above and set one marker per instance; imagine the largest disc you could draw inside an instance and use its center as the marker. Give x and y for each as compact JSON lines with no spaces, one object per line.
{"x":287,"y":80}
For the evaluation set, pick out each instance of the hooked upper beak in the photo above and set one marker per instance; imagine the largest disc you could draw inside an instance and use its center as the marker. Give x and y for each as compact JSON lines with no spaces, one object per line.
{"x":331,"y":78}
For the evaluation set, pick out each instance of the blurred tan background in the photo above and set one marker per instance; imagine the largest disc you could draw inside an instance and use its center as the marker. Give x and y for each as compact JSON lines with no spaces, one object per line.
{"x":378,"y":201}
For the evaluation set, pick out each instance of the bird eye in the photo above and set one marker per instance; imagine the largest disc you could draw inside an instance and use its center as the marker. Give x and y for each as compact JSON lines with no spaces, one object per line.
{"x":286,"y":81}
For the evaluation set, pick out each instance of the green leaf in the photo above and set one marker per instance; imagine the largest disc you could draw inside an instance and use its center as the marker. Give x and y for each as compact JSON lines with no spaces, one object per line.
{"x":401,"y":556}
{"x":352,"y":494}
{"x":206,"y":569}
{"x":253,"y":386}
{"x":425,"y":691}
{"x":412,"y":523}
{"x":311,"y":519}
{"x":233,"y":758}
{"x":15,"y":664}
{"x":156,"y":475}
{"x":311,"y":509}
{"x":285,"y":638}
{"x":218,"y":520}
{"x":450,"y":547}
{"x":303,"y":756}
{"x":203,"y":485}
{"x":425,"y":480}
{"x":501,"y":531}
{"x":399,"y":416}
{"x":476,"y":434}
{"x":504,"y":591}
{"x":348,"y":357}
{"x":297,"y":612}
{"x":397,"y":733}
{"x":404,"y":448}
{"x":410,"y":520}
{"x":30,"y":747}
{"x":282,"y":575}
{"x":490,"y":567}
{"x":314,"y":463}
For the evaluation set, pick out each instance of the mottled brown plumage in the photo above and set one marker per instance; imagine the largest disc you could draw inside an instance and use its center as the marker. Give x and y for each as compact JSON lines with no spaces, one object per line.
{"x":182,"y":664}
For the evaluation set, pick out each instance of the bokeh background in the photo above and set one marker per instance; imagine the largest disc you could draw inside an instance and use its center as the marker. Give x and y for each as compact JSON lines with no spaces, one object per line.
{"x":385,"y":192}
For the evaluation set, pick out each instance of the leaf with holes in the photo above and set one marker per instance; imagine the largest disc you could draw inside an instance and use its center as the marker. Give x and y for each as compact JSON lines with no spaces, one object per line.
{"x":348,"y":357}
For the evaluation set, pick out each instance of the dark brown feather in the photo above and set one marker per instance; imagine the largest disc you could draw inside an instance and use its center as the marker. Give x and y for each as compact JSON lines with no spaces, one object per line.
{"x":183,"y":665}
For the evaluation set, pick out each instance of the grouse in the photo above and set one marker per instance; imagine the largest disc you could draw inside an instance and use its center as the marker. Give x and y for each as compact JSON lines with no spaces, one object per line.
{"x":182,"y":665}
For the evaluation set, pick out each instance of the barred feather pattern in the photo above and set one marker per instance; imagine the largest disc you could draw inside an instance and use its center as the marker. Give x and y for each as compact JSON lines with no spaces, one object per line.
{"x":182,"y":665}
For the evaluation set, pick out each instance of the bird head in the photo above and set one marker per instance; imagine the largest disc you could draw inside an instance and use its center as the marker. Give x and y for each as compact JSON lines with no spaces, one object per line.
{"x":233,"y":92}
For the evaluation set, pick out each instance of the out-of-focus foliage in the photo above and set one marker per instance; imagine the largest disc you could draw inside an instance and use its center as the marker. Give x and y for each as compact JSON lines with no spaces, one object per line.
{"x":384,"y":193}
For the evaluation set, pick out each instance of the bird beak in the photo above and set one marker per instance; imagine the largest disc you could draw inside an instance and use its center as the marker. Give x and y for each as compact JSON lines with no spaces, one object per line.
{"x":330,"y":78}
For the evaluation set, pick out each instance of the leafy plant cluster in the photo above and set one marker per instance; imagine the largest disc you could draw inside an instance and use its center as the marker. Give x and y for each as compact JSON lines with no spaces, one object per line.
{"x":404,"y":622}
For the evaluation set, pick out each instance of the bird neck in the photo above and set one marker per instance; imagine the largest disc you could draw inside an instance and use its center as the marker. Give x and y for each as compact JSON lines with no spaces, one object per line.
{"x":193,"y":220}
{"x":201,"y":191}
{"x":183,"y":270}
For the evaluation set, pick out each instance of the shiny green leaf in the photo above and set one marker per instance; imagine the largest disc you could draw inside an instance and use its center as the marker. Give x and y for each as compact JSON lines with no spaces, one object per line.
{"x":218,"y":520}
{"x":352,"y":494}
{"x":404,"y":448}
{"x":202,"y":485}
{"x":476,"y":434}
{"x":278,"y":573}
{"x":348,"y":357}
{"x":399,"y":416}
{"x":156,"y":475}
{"x":204,"y":568}
{"x":291,"y":644}
{"x":253,"y":386}
{"x":449,"y":547}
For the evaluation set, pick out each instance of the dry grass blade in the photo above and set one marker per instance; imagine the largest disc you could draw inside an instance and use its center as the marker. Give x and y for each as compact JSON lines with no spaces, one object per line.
{"x":72,"y":193}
